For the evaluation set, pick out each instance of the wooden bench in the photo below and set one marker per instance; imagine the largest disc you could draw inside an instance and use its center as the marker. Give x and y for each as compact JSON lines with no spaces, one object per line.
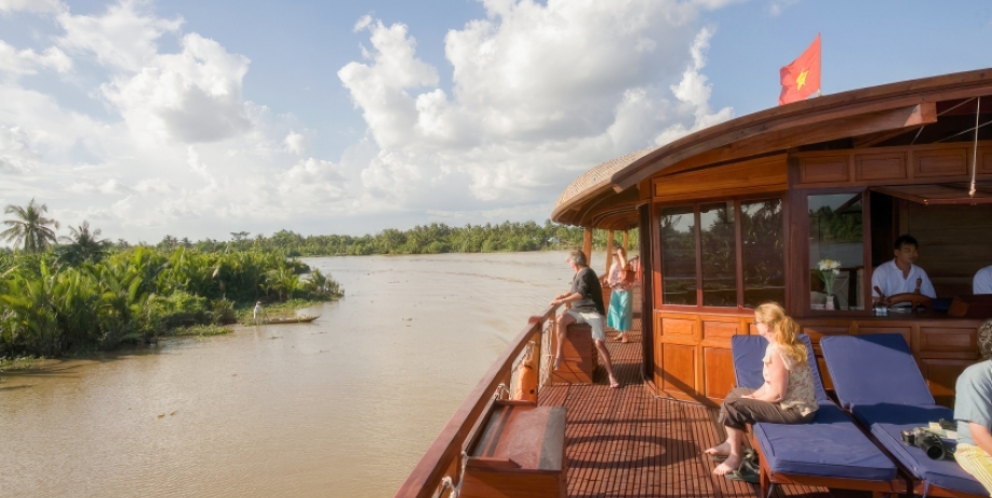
{"x":580,"y":357}
{"x":519,"y":451}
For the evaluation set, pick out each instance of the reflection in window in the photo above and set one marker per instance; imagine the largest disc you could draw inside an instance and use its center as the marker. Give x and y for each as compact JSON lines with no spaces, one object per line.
{"x":836,"y":252}
{"x":719,"y":241}
{"x":762,"y":252}
{"x":678,"y":255}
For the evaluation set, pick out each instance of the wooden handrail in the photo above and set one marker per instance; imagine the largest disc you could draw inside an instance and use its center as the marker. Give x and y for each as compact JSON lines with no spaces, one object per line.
{"x":425,"y":478}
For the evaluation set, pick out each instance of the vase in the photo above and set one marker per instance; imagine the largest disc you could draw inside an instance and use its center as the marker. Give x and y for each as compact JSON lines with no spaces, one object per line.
{"x":829,"y":305}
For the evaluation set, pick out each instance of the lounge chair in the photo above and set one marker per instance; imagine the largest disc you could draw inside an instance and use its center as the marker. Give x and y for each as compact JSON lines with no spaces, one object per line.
{"x":876,"y":377}
{"x":831,"y":451}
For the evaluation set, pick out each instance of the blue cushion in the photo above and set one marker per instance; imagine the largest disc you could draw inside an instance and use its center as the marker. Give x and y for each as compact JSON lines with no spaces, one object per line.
{"x":874,"y":368}
{"x":748,"y":350}
{"x":888,"y":413}
{"x":944,"y":473}
{"x":830,"y":446}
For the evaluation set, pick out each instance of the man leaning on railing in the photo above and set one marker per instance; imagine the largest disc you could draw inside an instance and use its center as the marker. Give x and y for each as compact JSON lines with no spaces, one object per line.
{"x":586,"y":297}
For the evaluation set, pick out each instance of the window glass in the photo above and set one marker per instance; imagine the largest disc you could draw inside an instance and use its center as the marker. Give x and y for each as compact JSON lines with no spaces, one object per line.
{"x":719,"y":241}
{"x":678,"y":255}
{"x":762,"y":252}
{"x":836,"y":252}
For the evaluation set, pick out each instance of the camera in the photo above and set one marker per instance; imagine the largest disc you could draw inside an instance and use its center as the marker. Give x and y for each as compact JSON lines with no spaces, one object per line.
{"x":927,"y":441}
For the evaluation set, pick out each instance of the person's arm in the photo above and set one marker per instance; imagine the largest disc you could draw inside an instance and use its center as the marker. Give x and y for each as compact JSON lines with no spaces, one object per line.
{"x":876,"y":285}
{"x":926,"y":288}
{"x":567,"y":297}
{"x":980,"y":434}
{"x":775,"y":387}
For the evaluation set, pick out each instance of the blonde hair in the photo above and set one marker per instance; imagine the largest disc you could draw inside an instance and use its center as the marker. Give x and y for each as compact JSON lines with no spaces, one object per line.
{"x":785,"y":330}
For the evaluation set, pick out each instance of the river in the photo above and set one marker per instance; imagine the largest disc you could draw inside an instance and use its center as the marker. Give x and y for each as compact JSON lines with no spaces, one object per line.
{"x":344,"y":406}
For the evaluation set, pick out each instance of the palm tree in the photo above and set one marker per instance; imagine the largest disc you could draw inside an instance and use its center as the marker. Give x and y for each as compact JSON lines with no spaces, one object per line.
{"x":30,"y":227}
{"x":83,"y":245}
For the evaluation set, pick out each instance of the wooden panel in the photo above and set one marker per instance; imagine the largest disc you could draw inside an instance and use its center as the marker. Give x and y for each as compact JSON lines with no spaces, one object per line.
{"x":870,"y":167}
{"x":828,"y":383}
{"x":949,"y":340}
{"x":677,"y":327}
{"x":720,"y":331}
{"x":941,"y":375}
{"x":679,"y":372}
{"x":745,"y":175}
{"x":985,"y":161}
{"x":718,"y":372}
{"x":940,"y":163}
{"x":816,"y":332}
{"x":907,"y":332}
{"x":824,"y":170}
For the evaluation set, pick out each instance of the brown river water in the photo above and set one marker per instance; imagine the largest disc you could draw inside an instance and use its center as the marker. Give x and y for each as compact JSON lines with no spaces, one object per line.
{"x":344,"y":406}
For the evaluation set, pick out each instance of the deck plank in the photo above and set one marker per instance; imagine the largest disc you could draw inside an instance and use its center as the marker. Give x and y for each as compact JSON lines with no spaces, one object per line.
{"x":628,"y":443}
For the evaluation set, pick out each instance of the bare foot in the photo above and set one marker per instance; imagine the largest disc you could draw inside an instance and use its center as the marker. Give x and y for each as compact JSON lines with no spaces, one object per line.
{"x":623,"y":338}
{"x":558,"y":360}
{"x":722,"y":449}
{"x":731,"y":463}
{"x":614,"y":383}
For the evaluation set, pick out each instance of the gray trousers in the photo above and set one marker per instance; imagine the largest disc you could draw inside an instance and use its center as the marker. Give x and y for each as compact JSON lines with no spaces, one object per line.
{"x":738,"y":412}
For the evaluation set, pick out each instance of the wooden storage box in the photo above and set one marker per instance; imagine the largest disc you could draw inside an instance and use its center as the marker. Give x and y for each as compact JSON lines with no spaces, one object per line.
{"x":580,"y":356}
{"x":519,"y":452}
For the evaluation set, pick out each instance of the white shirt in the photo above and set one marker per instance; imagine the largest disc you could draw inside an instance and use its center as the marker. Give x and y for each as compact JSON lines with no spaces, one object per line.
{"x":983,"y":281}
{"x":888,"y":277}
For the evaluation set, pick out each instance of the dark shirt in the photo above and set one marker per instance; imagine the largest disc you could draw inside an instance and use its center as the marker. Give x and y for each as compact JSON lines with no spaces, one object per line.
{"x":586,"y":283}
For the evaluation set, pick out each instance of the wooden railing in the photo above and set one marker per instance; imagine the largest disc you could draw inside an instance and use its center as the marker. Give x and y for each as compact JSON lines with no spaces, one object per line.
{"x":440,"y":468}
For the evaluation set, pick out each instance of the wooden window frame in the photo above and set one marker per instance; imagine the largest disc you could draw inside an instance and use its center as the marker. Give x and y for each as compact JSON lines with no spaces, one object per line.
{"x":660,"y":305}
{"x":802,"y":225}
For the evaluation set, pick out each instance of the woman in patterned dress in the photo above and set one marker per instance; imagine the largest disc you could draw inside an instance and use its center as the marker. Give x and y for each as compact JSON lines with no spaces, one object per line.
{"x":621,"y":312}
{"x":786,"y":397}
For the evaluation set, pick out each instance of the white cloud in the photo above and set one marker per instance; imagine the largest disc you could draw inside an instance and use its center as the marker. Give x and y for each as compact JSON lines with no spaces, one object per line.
{"x":295,"y":142}
{"x":28,"y":61}
{"x":539,"y":93}
{"x":36,"y":6}
{"x":534,"y":95}
{"x":776,"y":7}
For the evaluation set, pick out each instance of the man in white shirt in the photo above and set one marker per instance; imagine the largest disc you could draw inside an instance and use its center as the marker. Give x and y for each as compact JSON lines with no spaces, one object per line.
{"x":982,"y":284}
{"x":900,"y":275}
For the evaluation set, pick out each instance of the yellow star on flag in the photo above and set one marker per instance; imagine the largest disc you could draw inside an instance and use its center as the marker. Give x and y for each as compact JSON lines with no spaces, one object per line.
{"x":801,"y":80}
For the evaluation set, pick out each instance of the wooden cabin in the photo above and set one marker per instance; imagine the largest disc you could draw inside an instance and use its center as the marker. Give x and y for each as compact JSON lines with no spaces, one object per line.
{"x":742,"y":212}
{"x":731,"y":217}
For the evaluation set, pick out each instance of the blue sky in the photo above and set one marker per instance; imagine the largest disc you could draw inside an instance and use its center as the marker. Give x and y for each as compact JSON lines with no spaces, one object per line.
{"x":200,"y":118}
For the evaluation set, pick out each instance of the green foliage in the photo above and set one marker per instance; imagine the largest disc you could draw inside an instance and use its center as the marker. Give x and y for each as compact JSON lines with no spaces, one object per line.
{"x":29,"y":226}
{"x":48,"y":307}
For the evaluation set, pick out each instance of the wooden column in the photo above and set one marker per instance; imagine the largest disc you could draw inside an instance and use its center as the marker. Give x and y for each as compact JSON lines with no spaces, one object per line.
{"x":609,"y":251}
{"x":587,"y":245}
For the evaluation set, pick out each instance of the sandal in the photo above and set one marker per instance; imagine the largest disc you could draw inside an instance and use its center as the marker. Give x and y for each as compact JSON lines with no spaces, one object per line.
{"x":744,"y":474}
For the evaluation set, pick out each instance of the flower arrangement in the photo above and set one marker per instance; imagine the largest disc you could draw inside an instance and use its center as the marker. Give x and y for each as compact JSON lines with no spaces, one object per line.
{"x":828,"y":273}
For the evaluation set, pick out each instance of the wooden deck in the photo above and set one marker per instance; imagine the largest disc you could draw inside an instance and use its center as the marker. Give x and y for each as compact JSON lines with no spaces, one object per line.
{"x":627,"y":443}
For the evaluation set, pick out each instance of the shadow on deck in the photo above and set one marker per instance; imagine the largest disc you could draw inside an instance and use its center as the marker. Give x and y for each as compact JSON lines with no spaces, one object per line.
{"x":628,"y":443}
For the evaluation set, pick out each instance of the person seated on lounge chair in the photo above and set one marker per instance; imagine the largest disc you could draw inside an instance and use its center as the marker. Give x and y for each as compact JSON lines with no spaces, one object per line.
{"x":787,"y":397}
{"x":982,"y":283}
{"x":973,"y":413}
{"x":901,"y":276}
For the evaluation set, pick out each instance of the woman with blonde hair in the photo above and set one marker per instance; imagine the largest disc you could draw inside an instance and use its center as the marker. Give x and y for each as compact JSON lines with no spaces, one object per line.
{"x":786,"y":397}
{"x":621,"y":314}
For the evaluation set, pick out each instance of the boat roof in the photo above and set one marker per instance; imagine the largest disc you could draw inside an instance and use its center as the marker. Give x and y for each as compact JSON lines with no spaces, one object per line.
{"x":937,"y":109}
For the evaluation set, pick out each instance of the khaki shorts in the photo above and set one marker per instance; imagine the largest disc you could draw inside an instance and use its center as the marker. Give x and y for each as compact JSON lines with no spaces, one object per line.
{"x":593,"y":319}
{"x":976,"y":462}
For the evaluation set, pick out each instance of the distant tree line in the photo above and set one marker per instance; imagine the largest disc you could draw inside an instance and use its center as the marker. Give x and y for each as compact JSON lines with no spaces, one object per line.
{"x":435,"y":238}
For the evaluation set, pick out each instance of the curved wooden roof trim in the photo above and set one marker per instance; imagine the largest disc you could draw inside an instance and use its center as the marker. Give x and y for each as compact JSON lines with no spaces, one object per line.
{"x":815,"y":111}
{"x":851,"y":113}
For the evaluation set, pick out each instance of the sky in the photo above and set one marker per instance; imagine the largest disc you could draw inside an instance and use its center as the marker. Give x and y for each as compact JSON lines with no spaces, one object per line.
{"x":200,"y":118}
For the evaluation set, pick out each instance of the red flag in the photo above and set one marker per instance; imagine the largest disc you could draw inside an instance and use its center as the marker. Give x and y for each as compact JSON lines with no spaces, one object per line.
{"x":801,"y":78}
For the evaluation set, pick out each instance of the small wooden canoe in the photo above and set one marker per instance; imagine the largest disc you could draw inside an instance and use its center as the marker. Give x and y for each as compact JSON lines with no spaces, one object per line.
{"x":294,"y":319}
